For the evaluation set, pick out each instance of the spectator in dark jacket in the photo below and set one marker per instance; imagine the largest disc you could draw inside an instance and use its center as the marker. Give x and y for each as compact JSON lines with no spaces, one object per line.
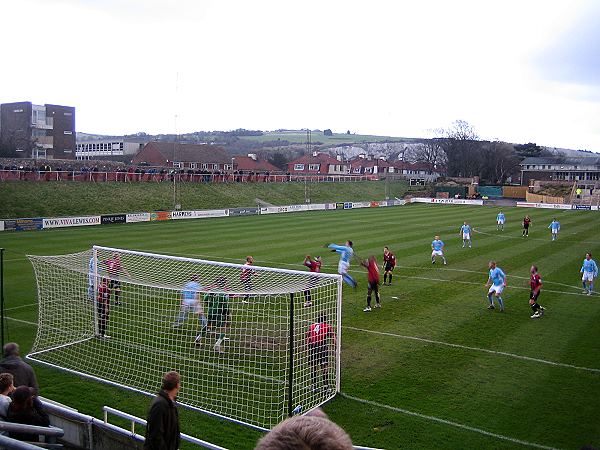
{"x":162,"y":428}
{"x":20,"y":370}
{"x":26,"y":409}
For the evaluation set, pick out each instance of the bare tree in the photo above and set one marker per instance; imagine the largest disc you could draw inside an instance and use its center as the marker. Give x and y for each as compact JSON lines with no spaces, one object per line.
{"x":461,"y":144}
{"x":499,"y":162}
{"x":429,"y":152}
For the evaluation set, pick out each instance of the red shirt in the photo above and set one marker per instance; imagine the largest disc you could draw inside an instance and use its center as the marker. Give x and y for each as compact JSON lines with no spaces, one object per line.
{"x":103,"y":294}
{"x":318,"y":332}
{"x":535,"y":282}
{"x":314,"y":266}
{"x":373,"y":271}
{"x":113,"y":266}
{"x":246,"y":272}
{"x":389,"y":258}
{"x":526,"y":221}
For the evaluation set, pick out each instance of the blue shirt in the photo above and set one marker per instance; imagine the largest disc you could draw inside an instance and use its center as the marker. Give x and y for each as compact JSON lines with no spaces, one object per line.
{"x":190,"y":290}
{"x":437,"y":244}
{"x":465,"y":228}
{"x":554,"y":225}
{"x":500,"y":216}
{"x":497,"y":276}
{"x":589,"y":265}
{"x":344,"y":251}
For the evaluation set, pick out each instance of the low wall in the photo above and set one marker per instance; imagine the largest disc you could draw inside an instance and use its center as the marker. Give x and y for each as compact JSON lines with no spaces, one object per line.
{"x":536,"y":198}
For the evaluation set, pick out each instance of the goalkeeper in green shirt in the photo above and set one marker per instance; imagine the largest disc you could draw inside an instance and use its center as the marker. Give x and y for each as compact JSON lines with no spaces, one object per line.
{"x":216,"y":306}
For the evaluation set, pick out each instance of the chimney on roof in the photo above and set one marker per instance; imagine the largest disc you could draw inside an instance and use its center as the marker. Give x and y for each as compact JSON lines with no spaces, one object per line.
{"x":252,"y":156}
{"x":315,"y":153}
{"x":338,"y":157}
{"x":370,"y":157}
{"x":362,"y":156}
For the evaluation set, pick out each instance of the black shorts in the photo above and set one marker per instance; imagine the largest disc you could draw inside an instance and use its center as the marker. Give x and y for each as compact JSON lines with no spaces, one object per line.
{"x":389,"y":267}
{"x":525,"y":226}
{"x":373,"y":287}
{"x":534,"y":295}
{"x":318,"y":354}
{"x":114,"y":284}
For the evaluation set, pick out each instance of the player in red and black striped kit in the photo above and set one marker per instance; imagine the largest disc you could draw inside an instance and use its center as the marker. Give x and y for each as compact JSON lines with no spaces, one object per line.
{"x":389,"y":262}
{"x":535,"y":282}
{"x":317,"y":340}
{"x":373,"y":279}
{"x":103,"y":307}
{"x":526,"y":224}
{"x":315,"y":266}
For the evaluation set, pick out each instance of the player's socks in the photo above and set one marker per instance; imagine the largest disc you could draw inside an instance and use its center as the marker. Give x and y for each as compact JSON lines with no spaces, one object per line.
{"x":491,"y":299}
{"x":220,"y":340}
{"x":500,"y":302}
{"x":390,"y":278}
{"x":349,"y":280}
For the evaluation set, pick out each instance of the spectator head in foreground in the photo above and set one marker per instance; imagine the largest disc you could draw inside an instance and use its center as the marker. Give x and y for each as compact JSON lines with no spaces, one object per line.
{"x":306,"y":433}
{"x":171,"y":383}
{"x":11,"y":349}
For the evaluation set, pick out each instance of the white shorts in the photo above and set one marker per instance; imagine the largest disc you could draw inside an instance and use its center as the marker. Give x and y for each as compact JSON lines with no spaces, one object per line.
{"x":437,"y":253}
{"x":500,"y":222}
{"x":554,"y":231}
{"x":343,"y":267}
{"x":587,"y":276}
{"x":497,"y":289}
{"x":191,"y":307}
{"x":467,"y":236}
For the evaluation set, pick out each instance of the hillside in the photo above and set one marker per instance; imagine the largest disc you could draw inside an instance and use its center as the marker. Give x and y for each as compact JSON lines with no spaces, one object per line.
{"x":22,"y":199}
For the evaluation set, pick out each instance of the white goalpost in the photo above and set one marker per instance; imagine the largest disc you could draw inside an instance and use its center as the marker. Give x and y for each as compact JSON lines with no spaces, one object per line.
{"x":242,"y":338}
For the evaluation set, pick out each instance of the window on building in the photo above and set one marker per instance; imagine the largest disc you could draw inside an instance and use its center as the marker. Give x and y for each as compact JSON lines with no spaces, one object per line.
{"x":178,"y":165}
{"x":298,"y":166}
{"x":215,"y":167}
{"x":204,"y":166}
{"x":192,"y":165}
{"x":314,"y":166}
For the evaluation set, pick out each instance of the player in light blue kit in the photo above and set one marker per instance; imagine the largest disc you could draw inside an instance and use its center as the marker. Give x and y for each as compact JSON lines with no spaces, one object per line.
{"x":500,"y":221}
{"x":465,"y":232}
{"x":589,"y":271}
{"x":190,"y":302}
{"x":554,"y":228}
{"x":496,"y":282}
{"x":437,"y":249}
{"x":346,"y":253}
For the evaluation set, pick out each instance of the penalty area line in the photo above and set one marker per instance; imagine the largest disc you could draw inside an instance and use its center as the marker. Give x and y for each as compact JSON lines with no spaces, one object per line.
{"x":476,"y":349}
{"x":446,"y":422}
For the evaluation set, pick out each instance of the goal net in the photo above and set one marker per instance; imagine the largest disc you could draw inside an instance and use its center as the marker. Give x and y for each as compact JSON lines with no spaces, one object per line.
{"x":242,"y":337}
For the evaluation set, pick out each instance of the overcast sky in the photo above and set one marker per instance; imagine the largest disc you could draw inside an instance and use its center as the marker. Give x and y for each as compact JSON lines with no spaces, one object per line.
{"x":517,"y":70}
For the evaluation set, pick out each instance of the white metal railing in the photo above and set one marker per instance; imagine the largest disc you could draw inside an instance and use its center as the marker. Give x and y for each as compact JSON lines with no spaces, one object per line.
{"x":136,"y":420}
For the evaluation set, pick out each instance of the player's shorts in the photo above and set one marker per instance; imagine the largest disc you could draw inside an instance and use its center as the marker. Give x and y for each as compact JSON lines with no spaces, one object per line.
{"x":114,"y":284}
{"x":191,"y":306}
{"x":373,"y":287}
{"x":534,"y":296}
{"x":497,"y":289}
{"x":343,"y":267}
{"x":437,"y":253}
{"x":467,"y":236}
{"x":500,"y":222}
{"x":554,"y":231}
{"x":389,"y":267}
{"x":318,"y":354}
{"x":587,"y":276}
{"x":526,"y":226}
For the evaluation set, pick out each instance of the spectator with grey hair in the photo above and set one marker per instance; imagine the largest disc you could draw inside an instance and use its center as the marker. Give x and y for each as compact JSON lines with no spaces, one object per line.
{"x":306,"y":432}
{"x":21,"y":371}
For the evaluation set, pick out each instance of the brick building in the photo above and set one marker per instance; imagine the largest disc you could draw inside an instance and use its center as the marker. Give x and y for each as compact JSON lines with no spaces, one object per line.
{"x":207,"y":157}
{"x":318,"y":164}
{"x":38,"y":131}
{"x":557,"y":168}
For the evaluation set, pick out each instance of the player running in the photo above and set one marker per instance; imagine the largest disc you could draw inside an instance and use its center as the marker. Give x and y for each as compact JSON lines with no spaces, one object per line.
{"x":103,"y":307}
{"x":500,"y":221}
{"x":389,"y":262}
{"x":437,"y":249}
{"x":190,"y":302}
{"x":315,"y":266}
{"x":589,"y":271}
{"x":114,"y":268}
{"x":218,"y":313}
{"x":346,"y":253}
{"x":465,"y":232}
{"x":526,"y":224}
{"x":318,"y":336}
{"x":373,"y":279}
{"x":535,"y":283}
{"x":496,"y":282}
{"x":554,"y":228}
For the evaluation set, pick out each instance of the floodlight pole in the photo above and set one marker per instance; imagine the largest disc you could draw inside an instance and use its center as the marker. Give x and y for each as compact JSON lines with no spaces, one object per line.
{"x":2,"y":296}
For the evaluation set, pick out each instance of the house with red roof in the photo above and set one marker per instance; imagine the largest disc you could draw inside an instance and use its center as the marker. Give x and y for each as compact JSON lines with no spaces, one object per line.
{"x":369,"y":165}
{"x":318,"y":164}
{"x":184,"y":156}
{"x":417,"y":169}
{"x":252,"y":163}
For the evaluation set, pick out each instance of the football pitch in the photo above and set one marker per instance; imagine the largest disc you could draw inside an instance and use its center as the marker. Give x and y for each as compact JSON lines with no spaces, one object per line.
{"x":433,"y":368}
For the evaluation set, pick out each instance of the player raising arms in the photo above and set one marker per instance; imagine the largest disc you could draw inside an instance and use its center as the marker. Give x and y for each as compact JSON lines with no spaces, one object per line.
{"x":535,"y":282}
{"x":114,"y":268}
{"x":318,"y":336}
{"x":346,"y":253}
{"x":554,"y":228}
{"x":437,"y":249}
{"x":217,"y":307}
{"x":465,"y":232}
{"x":500,"y":221}
{"x":315,"y":266}
{"x":389,"y":262}
{"x":373,"y":279}
{"x":589,"y":271}
{"x":526,"y":224}
{"x":496,"y":282}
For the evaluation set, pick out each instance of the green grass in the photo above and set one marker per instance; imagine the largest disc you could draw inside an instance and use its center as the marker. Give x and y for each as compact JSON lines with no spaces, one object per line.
{"x":532,"y":400}
{"x":52,"y":199}
{"x":299,"y":137}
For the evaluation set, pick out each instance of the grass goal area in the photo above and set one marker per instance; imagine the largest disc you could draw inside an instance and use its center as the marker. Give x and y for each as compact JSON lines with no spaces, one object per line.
{"x":236,"y":334}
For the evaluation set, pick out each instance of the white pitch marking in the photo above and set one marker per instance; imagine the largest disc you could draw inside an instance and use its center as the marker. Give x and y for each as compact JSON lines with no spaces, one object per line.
{"x":20,"y":306}
{"x":477,"y":349}
{"x":447,"y":422}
